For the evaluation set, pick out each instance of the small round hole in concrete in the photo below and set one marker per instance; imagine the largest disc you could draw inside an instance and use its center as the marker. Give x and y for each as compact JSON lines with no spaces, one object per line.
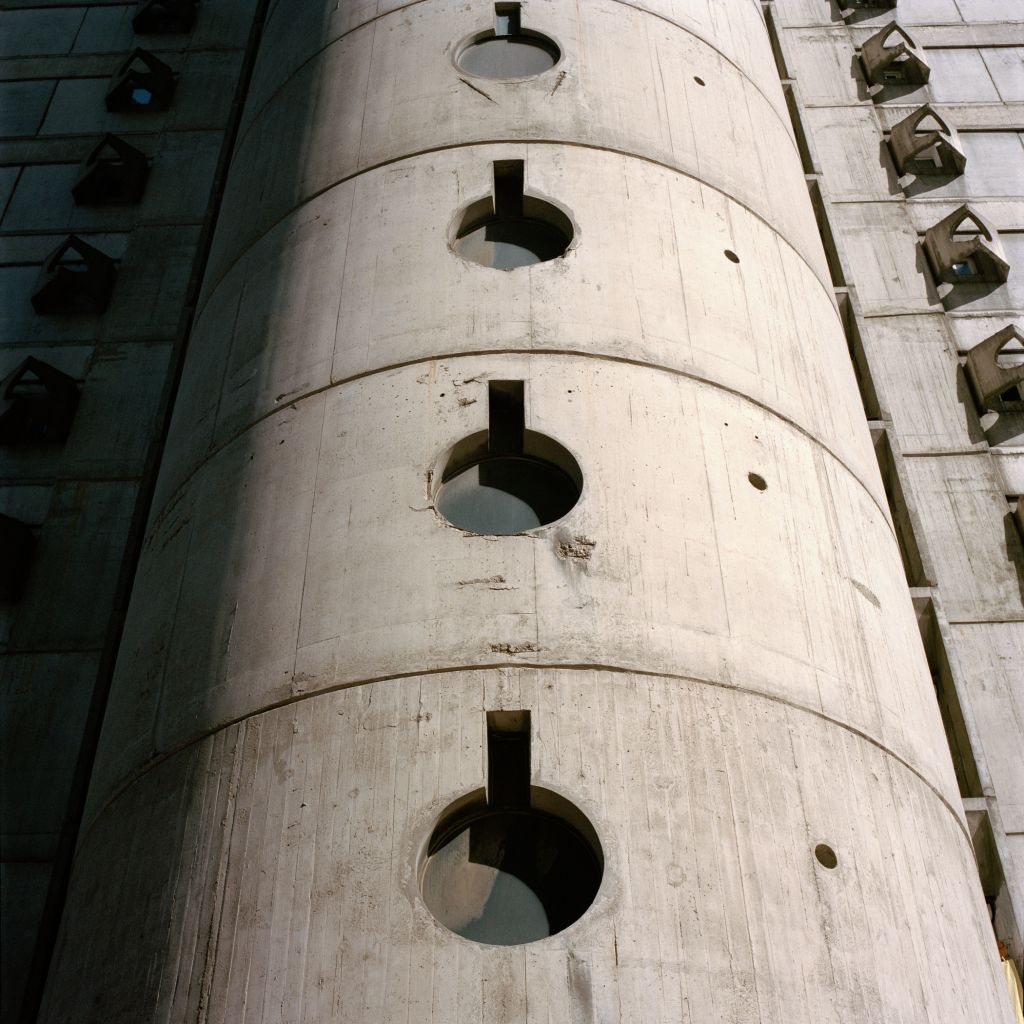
{"x":758,"y":481}
{"x":731,"y":256}
{"x":699,"y":81}
{"x":826,"y":856}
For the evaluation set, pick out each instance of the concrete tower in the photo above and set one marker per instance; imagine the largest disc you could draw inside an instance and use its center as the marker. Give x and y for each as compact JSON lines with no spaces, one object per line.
{"x":520,"y":526}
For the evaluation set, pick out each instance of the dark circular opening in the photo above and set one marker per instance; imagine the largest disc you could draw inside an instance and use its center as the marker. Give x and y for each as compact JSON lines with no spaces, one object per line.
{"x":506,"y":877}
{"x":826,"y":856}
{"x":507,"y":243}
{"x":730,"y":255}
{"x":517,"y":56}
{"x":506,"y":494}
{"x":699,"y":81}
{"x":757,"y":481}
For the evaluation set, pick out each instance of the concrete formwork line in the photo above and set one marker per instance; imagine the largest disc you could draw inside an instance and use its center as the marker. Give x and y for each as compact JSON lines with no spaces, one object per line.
{"x":568,"y":353}
{"x":415,"y":3}
{"x":825,"y":281}
{"x":955,"y":811}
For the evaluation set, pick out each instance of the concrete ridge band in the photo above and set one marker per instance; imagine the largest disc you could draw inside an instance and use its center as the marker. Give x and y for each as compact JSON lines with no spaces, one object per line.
{"x":172,"y":497}
{"x":207,"y":293}
{"x":955,"y":812}
{"x":413,"y":3}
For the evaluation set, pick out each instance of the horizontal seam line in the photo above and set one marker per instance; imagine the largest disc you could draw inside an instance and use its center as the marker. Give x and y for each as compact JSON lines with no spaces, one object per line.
{"x":951,"y":453}
{"x":534,"y":666}
{"x":984,"y":622}
{"x":208,"y":290}
{"x":173,"y":496}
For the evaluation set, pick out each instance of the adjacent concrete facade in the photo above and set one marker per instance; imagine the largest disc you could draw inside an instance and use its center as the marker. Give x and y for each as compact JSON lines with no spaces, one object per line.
{"x":718,"y":645}
{"x":954,"y":467}
{"x":87,"y":499}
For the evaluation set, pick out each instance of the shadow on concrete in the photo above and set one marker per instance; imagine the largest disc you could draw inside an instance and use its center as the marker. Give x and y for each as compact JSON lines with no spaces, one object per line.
{"x":955,"y":296}
{"x":921,"y":262}
{"x":965,"y":396}
{"x":1006,"y":428}
{"x":1014,"y":548}
{"x":855,"y":16}
{"x":924,"y":183}
{"x":892,"y":178}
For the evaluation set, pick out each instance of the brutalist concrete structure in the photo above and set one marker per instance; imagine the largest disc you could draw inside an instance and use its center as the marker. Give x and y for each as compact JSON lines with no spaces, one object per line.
{"x":570,"y":454}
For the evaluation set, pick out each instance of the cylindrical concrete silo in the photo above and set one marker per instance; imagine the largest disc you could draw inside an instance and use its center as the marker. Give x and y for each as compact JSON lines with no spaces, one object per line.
{"x":728,"y":707}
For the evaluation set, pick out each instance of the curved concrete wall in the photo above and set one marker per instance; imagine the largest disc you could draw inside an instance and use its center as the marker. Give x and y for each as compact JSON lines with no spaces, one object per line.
{"x":626,"y":84}
{"x":721,"y":677}
{"x":270,"y":874}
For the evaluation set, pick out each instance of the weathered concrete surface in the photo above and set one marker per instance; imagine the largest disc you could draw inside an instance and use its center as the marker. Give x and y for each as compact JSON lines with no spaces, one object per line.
{"x":960,"y":463}
{"x":271,"y":875}
{"x":626,"y":84}
{"x":647,"y":281}
{"x":721,"y":676}
{"x":696,"y":580}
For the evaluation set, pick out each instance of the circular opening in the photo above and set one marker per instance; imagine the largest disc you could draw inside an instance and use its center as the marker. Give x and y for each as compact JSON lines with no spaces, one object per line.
{"x":507,"y":244}
{"x":506,"y":877}
{"x":506,"y":493}
{"x":699,"y":81}
{"x":541,"y":233}
{"x":730,"y":255}
{"x":757,"y":481}
{"x":518,"y":56}
{"x":141,"y":97}
{"x":826,"y":856}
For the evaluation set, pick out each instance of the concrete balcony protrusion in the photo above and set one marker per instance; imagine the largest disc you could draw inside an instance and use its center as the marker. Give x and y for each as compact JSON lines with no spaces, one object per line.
{"x":926,"y":144}
{"x":891,"y":57}
{"x":164,"y":17}
{"x":959,"y":256}
{"x":37,"y":404}
{"x":142,"y":83}
{"x":989,"y":379}
{"x":72,"y":286}
{"x":113,"y":174}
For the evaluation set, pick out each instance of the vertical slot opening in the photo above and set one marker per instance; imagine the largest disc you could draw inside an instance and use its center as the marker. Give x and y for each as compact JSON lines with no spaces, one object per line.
{"x":508,"y":759}
{"x":508,"y":188}
{"x":507,"y":20}
{"x":506,"y":417}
